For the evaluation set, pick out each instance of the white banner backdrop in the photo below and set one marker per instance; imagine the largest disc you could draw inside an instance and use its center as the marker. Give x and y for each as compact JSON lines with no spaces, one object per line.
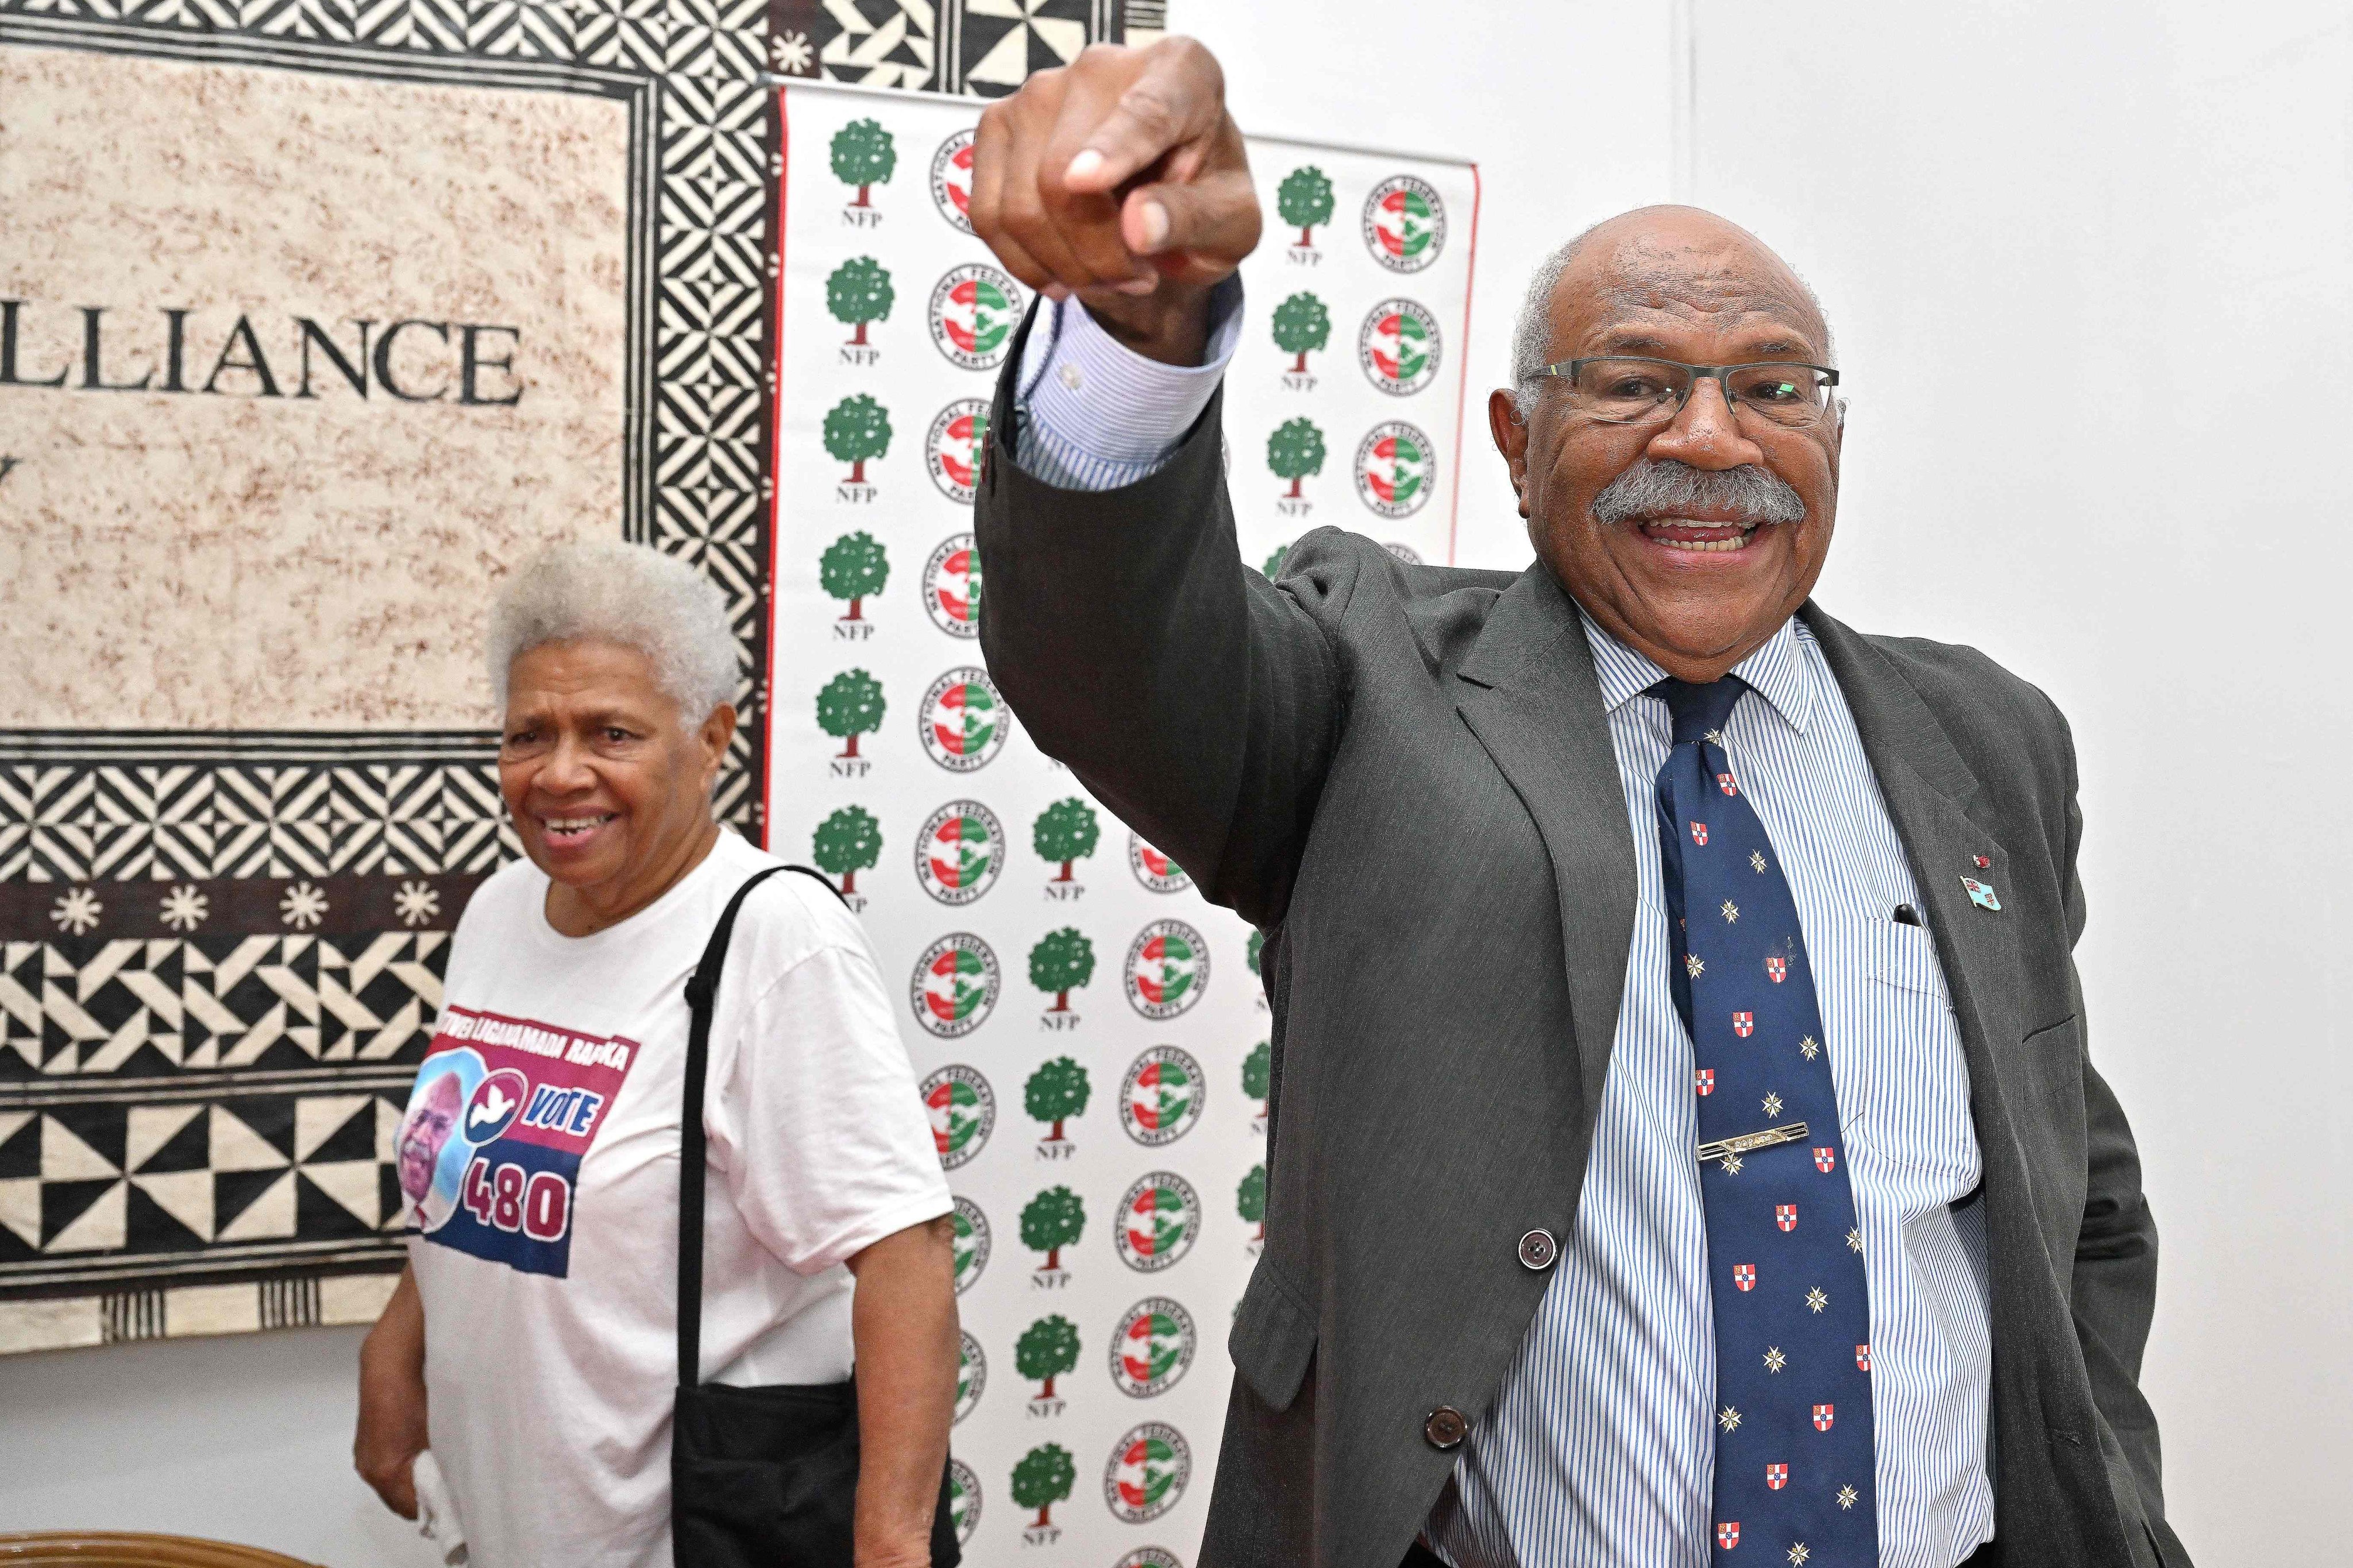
{"x":1090,"y":1033}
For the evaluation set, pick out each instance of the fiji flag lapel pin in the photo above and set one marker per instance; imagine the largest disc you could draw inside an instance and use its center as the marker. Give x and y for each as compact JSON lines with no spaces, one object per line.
{"x":1982,"y":894}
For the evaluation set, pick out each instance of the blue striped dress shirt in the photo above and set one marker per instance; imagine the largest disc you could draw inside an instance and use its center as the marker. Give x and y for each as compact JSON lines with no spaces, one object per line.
{"x":1600,"y":1449}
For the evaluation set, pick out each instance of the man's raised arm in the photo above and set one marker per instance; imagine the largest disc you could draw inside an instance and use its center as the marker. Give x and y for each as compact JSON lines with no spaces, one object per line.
{"x":1201,"y":702}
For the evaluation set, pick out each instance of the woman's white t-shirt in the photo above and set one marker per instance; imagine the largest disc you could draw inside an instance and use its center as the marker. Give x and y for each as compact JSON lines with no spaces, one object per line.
{"x":538,"y":1163}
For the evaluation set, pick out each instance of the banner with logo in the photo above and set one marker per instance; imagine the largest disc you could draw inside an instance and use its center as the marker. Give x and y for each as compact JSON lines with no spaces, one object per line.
{"x":1090,"y":1033}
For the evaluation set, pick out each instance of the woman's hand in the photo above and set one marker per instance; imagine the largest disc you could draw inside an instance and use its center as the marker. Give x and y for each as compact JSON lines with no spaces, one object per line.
{"x":904,"y":1326}
{"x":391,"y":1400}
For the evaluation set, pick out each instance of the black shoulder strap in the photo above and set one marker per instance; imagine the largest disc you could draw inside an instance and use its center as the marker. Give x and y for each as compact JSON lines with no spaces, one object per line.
{"x":702,"y":998}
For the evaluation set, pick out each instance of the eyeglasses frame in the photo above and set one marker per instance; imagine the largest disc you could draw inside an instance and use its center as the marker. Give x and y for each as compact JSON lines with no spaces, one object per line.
{"x":1566,"y":369}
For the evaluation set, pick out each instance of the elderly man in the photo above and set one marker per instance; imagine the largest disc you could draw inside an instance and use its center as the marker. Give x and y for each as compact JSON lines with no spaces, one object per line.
{"x":1682,"y":1144}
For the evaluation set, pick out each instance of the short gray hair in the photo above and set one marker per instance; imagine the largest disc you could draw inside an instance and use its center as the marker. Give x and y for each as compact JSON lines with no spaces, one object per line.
{"x":1532,"y":334}
{"x":625,"y":593}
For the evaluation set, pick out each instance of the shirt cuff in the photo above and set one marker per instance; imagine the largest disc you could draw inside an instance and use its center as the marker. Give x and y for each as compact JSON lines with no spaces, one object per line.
{"x":1096,"y":414}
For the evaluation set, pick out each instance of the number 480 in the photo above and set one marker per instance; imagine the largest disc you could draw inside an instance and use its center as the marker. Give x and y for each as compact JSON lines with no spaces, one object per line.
{"x":512,"y":1199}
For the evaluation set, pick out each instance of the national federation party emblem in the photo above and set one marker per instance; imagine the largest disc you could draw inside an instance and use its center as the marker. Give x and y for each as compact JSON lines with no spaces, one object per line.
{"x":970,"y":1244}
{"x":952,"y":180}
{"x":955,"y":985}
{"x":1154,"y":869}
{"x":963,"y":1109}
{"x":951,"y":586}
{"x":1397,"y":347}
{"x":1405,"y":223}
{"x":972,"y":1377}
{"x":1149,"y":1467}
{"x":959,"y":852}
{"x":963,"y":1500}
{"x":951,"y":449}
{"x":973,"y":310}
{"x":1158,"y":1219}
{"x":1150,"y":1557}
{"x":1167,"y":969}
{"x":1161,"y":1099}
{"x":1152,"y":1347}
{"x":1396,"y":468}
{"x":963,"y":720}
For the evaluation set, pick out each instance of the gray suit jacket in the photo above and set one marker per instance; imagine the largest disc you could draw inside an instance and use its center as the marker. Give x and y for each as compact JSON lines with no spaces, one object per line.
{"x":1443,"y":1009}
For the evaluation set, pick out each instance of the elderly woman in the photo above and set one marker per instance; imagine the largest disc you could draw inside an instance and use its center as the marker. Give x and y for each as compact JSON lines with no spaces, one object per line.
{"x":531,"y":1340}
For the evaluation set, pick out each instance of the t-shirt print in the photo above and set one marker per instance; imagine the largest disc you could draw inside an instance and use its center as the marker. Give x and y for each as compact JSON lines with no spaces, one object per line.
{"x":503,"y":1113}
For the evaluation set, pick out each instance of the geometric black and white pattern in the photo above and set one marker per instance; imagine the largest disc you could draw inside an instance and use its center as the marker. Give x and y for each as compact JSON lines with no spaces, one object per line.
{"x":984,"y":48}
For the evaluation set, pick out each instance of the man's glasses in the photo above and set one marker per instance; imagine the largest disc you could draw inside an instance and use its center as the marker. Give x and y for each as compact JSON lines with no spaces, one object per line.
{"x":1632,"y":390}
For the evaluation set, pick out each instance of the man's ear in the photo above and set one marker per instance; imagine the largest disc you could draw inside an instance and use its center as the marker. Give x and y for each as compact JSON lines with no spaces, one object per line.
{"x":714,"y":735}
{"x":1511,"y":434}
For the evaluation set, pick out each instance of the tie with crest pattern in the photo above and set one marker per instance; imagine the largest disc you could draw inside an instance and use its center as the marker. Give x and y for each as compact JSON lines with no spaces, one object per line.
{"x":1793,"y":1428}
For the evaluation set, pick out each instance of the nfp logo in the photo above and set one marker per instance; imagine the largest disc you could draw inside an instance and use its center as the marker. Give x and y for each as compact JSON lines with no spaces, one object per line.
{"x":1158,"y":1219}
{"x":1152,"y":1347}
{"x":963,"y":1111}
{"x":959,"y":852}
{"x":1149,"y":1557}
{"x":963,"y":1500}
{"x":973,"y":310}
{"x":1147,"y":1472}
{"x":955,"y":985}
{"x":951,"y":586}
{"x":951,"y":449}
{"x":1154,"y":869}
{"x":951,"y":181}
{"x":1405,"y":223}
{"x":1395,"y":470}
{"x":963,"y":724}
{"x":1167,"y":969}
{"x":1161,"y":1099}
{"x":970,"y":1248}
{"x":1397,"y":347}
{"x":972,"y":1377}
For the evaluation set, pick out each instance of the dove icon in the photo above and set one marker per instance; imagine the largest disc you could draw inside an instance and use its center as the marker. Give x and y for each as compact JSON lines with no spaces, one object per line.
{"x":496,"y":1101}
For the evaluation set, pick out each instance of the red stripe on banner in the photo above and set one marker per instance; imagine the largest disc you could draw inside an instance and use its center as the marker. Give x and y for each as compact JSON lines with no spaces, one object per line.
{"x":1462,"y":374}
{"x":775,"y":489}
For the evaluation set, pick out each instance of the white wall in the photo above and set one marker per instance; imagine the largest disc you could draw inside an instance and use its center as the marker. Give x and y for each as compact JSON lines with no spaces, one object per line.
{"x":2089,"y":278}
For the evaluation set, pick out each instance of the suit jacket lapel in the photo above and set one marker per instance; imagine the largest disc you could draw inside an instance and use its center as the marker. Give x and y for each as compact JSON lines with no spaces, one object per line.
{"x":1531,"y":698}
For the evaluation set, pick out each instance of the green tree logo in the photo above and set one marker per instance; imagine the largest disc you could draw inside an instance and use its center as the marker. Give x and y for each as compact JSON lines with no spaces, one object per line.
{"x":1301,"y":324}
{"x":1258,"y":1073}
{"x":1066,"y":831}
{"x":850,"y":706}
{"x":864,"y":155}
{"x":1303,"y":199}
{"x":1274,"y":570}
{"x":1053,"y":1220}
{"x":847,"y":842}
{"x":1046,"y":1350}
{"x":859,"y":292}
{"x":1250,"y":1200}
{"x":1057,"y":1091}
{"x":1062,"y":961}
{"x":1043,"y":1478}
{"x":1294,"y":451}
{"x":854,"y":568}
{"x":857,"y":428}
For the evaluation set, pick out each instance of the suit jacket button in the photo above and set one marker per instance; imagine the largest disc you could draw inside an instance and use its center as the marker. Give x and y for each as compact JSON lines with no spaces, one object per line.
{"x":1538,"y":1250}
{"x":1446,"y":1428}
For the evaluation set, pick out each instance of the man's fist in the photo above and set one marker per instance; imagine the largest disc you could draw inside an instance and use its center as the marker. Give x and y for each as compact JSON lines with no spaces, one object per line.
{"x":1121,"y":179}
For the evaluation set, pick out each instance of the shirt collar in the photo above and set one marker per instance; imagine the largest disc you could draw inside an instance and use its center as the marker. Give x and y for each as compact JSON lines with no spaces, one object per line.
{"x":1778,"y":671}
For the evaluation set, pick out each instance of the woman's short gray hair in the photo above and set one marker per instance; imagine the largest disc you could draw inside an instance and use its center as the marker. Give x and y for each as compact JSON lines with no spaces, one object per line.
{"x":625,"y":594}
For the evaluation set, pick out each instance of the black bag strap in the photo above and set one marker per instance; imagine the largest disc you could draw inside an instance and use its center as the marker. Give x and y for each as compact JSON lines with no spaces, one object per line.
{"x":702,"y":1000}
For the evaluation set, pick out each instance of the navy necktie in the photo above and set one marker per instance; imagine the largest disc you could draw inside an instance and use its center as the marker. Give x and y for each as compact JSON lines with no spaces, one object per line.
{"x":1793,"y":1429}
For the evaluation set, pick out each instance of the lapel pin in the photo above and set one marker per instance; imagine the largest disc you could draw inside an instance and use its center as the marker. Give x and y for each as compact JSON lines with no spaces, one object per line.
{"x":1984,"y":864}
{"x":1980,"y":894}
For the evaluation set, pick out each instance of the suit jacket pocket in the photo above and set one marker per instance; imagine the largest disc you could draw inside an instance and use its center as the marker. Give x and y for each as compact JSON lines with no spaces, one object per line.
{"x":1273,"y":1338}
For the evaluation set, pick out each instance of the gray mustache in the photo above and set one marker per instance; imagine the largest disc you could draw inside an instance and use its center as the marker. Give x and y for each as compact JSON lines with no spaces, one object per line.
{"x":1664,"y":488}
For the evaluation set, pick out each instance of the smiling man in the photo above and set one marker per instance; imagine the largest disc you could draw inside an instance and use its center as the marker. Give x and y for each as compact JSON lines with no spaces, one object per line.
{"x":1681,"y":1139}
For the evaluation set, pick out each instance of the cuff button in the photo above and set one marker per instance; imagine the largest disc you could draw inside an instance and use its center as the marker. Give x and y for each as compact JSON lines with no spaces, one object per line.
{"x":1538,"y":1250}
{"x":1446,"y":1428}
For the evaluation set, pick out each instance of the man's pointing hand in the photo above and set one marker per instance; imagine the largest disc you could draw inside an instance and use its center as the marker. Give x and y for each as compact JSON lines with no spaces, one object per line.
{"x":1121,"y":179}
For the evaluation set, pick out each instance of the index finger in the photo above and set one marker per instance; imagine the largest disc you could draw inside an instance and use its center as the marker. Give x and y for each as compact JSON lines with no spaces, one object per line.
{"x":1178,"y":96}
